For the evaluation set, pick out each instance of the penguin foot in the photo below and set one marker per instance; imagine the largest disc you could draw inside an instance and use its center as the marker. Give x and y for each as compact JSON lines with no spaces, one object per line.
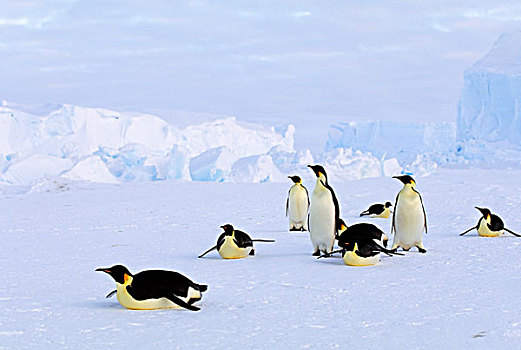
{"x":252,"y":252}
{"x":421,"y":250}
{"x":303,"y":229}
{"x":317,"y":253}
{"x":294,"y":229}
{"x":406,"y":250}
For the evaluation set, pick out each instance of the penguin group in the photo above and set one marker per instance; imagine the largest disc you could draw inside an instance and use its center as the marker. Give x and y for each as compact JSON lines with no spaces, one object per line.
{"x":360,"y":244}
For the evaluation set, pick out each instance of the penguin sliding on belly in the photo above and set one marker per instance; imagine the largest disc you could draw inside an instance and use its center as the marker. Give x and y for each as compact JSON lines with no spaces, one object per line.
{"x":297,"y":205}
{"x":489,"y":225}
{"x":378,"y":210}
{"x":409,"y":219}
{"x":154,"y":289}
{"x":234,"y":244}
{"x":324,"y":214}
{"x":361,"y":244}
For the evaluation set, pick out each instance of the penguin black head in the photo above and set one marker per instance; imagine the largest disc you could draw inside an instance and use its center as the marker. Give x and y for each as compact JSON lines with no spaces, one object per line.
{"x":388,"y":204}
{"x":228,"y":229}
{"x":318,"y":170}
{"x":117,"y":272}
{"x":296,"y":179}
{"x":406,"y":179}
{"x":484,"y":211}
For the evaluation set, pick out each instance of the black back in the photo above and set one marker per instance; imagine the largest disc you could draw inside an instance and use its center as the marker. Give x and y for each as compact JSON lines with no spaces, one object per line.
{"x":242,"y":239}
{"x":496,"y":224}
{"x":154,"y":284}
{"x":359,"y":232}
{"x":363,"y":234}
{"x":376,"y":209}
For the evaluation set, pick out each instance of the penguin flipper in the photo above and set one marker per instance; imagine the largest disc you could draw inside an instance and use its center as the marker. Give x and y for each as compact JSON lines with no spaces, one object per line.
{"x":208,"y":251}
{"x":111,"y":293}
{"x":181,"y":303}
{"x":263,"y":240}
{"x":470,"y":229}
{"x":424,"y":214}
{"x":393,"y":225}
{"x":328,"y":255}
{"x":385,"y":250}
{"x":366,"y":212}
{"x":515,"y":234}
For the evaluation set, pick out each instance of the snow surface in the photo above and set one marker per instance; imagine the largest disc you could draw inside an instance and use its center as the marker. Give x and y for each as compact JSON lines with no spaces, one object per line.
{"x":463,"y":293}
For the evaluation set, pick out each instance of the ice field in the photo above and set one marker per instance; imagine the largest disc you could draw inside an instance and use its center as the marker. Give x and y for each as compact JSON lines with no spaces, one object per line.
{"x":462,"y":293}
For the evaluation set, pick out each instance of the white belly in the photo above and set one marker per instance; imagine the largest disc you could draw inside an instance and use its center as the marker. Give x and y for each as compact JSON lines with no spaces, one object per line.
{"x":484,"y":231}
{"x":384,"y":214}
{"x":409,"y":221}
{"x":229,"y":249}
{"x":127,"y":301}
{"x":351,"y":259}
{"x":322,"y":221}
{"x":298,"y":206}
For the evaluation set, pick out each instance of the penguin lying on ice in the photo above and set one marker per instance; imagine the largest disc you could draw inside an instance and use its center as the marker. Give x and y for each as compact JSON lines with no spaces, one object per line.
{"x":154,"y":289}
{"x":361,"y":244}
{"x":378,"y":210}
{"x":297,"y":205}
{"x":234,"y":244}
{"x":489,"y":225}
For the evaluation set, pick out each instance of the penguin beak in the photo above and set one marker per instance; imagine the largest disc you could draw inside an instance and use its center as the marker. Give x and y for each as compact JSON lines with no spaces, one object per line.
{"x":106,"y":270}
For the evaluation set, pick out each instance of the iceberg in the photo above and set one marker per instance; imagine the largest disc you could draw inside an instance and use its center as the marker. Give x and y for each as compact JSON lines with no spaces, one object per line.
{"x":489,"y":109}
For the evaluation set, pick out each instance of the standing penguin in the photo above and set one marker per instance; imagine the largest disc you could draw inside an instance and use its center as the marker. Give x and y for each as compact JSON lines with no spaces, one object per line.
{"x":297,"y":205}
{"x":409,"y":219}
{"x":378,"y":210}
{"x":154,"y":289}
{"x":234,"y":244}
{"x":489,"y":225}
{"x":324,"y":214}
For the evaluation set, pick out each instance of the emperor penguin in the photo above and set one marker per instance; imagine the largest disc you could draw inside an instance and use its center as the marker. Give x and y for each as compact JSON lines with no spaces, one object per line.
{"x":234,"y":244}
{"x":378,"y":210}
{"x":361,"y":244}
{"x":360,"y":230}
{"x":297,"y":205}
{"x":324,"y":213}
{"x":409,"y":218}
{"x":489,"y":225}
{"x":154,"y":289}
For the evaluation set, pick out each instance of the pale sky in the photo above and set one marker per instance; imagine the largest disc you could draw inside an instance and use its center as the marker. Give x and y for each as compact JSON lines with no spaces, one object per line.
{"x":267,"y":61}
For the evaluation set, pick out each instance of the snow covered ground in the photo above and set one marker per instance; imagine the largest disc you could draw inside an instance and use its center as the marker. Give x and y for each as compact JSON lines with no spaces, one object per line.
{"x":463,"y":293}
